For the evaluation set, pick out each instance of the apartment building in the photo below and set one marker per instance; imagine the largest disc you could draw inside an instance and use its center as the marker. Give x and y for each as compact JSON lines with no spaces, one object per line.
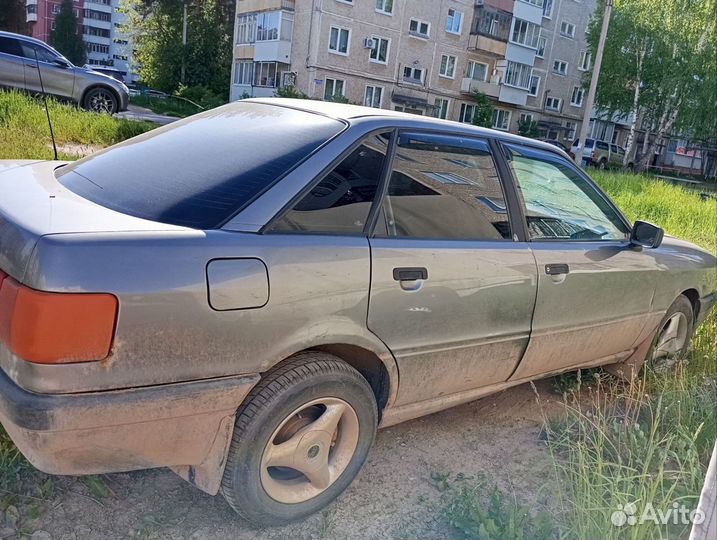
{"x":422,"y":56}
{"x":101,"y":23}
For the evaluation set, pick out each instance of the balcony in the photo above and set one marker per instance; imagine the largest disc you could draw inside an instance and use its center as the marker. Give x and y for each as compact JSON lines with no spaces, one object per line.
{"x":468,"y":86}
{"x":490,"y":30}
{"x":31,"y":17}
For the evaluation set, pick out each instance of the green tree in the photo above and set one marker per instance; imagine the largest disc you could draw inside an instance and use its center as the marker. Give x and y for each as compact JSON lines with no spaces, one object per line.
{"x":156,"y":27}
{"x":528,"y":128}
{"x":13,"y":17}
{"x":483,"y":113}
{"x":659,"y":61}
{"x":66,"y":36}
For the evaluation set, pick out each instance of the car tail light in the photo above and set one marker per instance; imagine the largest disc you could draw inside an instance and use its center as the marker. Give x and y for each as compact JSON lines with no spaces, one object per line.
{"x":56,"y":328}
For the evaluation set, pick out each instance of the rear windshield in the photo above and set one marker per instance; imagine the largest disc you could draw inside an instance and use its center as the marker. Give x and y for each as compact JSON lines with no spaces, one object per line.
{"x":200,"y":171}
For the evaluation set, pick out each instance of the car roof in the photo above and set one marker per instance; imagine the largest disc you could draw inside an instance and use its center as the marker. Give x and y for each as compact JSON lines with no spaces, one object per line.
{"x":348,"y":113}
{"x":24,"y":37}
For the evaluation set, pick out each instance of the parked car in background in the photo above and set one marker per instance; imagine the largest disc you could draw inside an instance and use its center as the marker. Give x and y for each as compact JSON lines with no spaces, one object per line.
{"x":601,"y":154}
{"x":106,"y":70}
{"x":23,"y":60}
{"x":234,"y":295}
{"x":560,"y":145}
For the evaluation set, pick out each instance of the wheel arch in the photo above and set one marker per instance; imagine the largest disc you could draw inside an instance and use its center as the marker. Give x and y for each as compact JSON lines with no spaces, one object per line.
{"x":99,"y":85}
{"x":694,"y":297}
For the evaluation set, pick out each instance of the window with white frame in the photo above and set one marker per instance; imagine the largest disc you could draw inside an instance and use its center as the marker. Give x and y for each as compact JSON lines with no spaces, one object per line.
{"x":548,"y":9}
{"x":267,"y":26}
{"x":525,"y":33}
{"x":534,"y":85}
{"x":419,"y":28}
{"x":441,"y":108}
{"x":567,"y":29}
{"x":586,"y":60}
{"x":553,"y":103}
{"x":570,"y":128}
{"x":373,"y":96}
{"x":501,"y":119}
{"x":379,"y":52}
{"x":538,"y":3}
{"x":246,"y":28}
{"x":384,"y":6}
{"x":243,"y":70}
{"x":413,"y":75}
{"x":526,"y":118}
{"x":467,"y":113}
{"x":333,"y":88}
{"x":518,"y":75}
{"x":454,"y":22}
{"x":448,"y":66}
{"x":540,"y":53}
{"x":265,"y":74}
{"x":560,"y":67}
{"x":478,"y":71}
{"x":339,"y":39}
{"x":576,"y":98}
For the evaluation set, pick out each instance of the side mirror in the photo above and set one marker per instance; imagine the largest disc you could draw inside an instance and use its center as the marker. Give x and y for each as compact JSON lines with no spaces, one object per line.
{"x":60,"y":62}
{"x":646,"y":235}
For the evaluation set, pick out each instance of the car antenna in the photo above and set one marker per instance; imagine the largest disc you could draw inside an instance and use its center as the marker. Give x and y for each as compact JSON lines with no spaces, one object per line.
{"x":47,"y":110}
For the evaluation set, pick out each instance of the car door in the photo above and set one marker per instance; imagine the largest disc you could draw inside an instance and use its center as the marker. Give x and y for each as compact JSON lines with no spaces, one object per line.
{"x":58,"y":76}
{"x":594,"y":288}
{"x":12,"y":68}
{"x":452,"y":291}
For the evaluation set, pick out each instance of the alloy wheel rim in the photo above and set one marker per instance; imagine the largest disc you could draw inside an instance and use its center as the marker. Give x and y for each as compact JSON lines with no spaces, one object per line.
{"x":309,"y":450}
{"x":671,"y":340}
{"x":102,"y":102}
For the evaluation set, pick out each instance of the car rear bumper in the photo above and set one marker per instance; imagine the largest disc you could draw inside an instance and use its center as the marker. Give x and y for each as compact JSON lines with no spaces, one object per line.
{"x":169,"y":425}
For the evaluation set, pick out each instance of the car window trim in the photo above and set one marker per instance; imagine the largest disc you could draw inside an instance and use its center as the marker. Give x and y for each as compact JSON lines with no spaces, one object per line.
{"x":319,"y":177}
{"x":17,"y":44}
{"x":449,"y":133}
{"x":552,"y":156}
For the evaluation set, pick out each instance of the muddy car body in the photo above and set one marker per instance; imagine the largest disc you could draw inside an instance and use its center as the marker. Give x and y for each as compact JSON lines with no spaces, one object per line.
{"x":243,"y":296}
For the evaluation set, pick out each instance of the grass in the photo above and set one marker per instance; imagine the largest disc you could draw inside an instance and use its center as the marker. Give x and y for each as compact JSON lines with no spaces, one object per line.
{"x":169,"y":106}
{"x":25,"y":132}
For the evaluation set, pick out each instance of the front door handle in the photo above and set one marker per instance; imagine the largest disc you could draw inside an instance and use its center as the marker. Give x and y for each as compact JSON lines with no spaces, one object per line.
{"x":557,"y":269}
{"x":410,"y":274}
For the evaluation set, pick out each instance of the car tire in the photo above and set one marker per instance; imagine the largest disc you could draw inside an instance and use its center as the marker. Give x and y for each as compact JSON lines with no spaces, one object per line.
{"x":297,"y":404}
{"x":602,"y":165}
{"x":631,"y":167}
{"x":673,"y":337}
{"x":100,"y":100}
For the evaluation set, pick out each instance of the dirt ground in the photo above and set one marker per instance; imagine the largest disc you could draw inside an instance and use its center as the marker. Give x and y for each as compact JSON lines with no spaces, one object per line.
{"x":399,"y":494}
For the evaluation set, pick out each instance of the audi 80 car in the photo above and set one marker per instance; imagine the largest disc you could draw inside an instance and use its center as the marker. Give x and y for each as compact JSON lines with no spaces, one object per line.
{"x":245,"y":295}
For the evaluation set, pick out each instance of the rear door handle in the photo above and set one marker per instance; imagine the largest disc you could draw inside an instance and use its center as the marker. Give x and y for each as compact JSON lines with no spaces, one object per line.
{"x":557,"y":269}
{"x":410,"y":274}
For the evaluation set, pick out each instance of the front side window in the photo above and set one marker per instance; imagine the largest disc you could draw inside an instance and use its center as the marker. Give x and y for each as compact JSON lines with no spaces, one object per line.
{"x":559,"y":203}
{"x":340,"y":202}
{"x":379,"y":52}
{"x":445,"y":187}
{"x":454,"y":22}
{"x":339,"y":40}
{"x":43,"y":54}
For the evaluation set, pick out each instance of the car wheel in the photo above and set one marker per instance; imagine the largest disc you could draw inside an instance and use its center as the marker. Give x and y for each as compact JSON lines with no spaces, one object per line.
{"x":100,"y":100}
{"x":673,"y":335}
{"x":602,"y":165}
{"x":631,"y":167}
{"x":300,"y":438}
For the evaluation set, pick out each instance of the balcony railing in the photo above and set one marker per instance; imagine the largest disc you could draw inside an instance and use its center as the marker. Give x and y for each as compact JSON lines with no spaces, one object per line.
{"x":491,"y":22}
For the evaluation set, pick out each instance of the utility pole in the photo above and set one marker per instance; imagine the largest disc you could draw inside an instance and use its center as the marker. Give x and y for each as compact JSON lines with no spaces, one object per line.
{"x":184,"y":43}
{"x":593,"y":83}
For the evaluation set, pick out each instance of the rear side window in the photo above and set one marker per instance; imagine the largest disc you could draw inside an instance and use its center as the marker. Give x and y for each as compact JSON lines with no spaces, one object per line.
{"x":10,"y":46}
{"x":444,"y":187}
{"x":341,"y":201}
{"x":602,"y":145}
{"x":200,"y":171}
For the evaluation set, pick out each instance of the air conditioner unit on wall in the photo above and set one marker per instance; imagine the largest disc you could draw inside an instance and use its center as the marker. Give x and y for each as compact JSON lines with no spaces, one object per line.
{"x":369,"y":43}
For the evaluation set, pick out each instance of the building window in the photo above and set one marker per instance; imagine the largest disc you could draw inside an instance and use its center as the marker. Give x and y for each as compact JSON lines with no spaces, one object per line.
{"x":553,"y":103}
{"x":534,"y":85}
{"x":518,"y":75}
{"x":379,"y":53}
{"x":441,"y":108}
{"x":419,"y":28}
{"x":478,"y":71}
{"x":98,"y":48}
{"x":501,"y":119}
{"x":267,"y":26}
{"x":538,"y":3}
{"x":570,"y":130}
{"x":448,"y":66}
{"x":243,"y":72}
{"x":540,"y":53}
{"x":492,"y":22}
{"x":548,"y":9}
{"x":454,"y":22}
{"x":525,"y":33}
{"x":576,"y":98}
{"x":560,"y":67}
{"x":413,"y":75}
{"x":333,"y":88}
{"x":246,"y":28}
{"x":373,"y":96}
{"x":526,"y":118}
{"x":55,"y":8}
{"x":467,"y":113}
{"x":567,"y":29}
{"x":265,"y":74}
{"x":384,"y":6}
{"x":586,"y":60}
{"x":339,"y":40}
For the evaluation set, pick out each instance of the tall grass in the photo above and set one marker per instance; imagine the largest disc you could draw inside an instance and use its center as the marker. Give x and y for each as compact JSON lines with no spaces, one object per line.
{"x":24,"y":132}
